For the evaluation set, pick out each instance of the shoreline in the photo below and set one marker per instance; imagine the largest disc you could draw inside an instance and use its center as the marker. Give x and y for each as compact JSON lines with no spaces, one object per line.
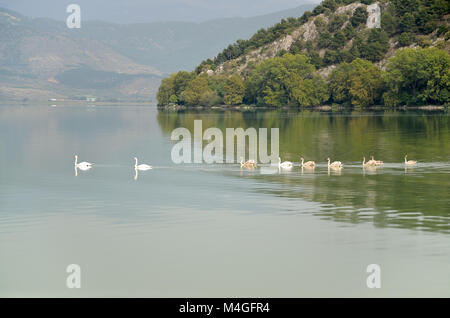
{"x":179,"y":108}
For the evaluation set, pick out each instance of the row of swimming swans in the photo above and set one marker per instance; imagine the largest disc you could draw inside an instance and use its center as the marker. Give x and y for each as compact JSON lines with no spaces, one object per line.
{"x":87,"y":165}
{"x":372,"y":162}
{"x":309,"y":164}
{"x":251,"y":164}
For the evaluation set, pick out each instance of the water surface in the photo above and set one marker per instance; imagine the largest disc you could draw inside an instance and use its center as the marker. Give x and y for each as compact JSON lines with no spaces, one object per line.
{"x":203,"y":230}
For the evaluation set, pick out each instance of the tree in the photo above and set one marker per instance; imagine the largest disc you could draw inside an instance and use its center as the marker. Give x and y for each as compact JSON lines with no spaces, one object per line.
{"x":388,"y":22}
{"x":358,"y":83}
{"x":324,"y":40}
{"x":418,"y":76}
{"x":165,"y":91}
{"x":336,"y":22}
{"x":406,"y":39}
{"x":307,"y":92}
{"x":271,"y":81}
{"x":338,"y":40}
{"x":195,"y":90}
{"x":359,"y":16}
{"x":234,"y":90}
{"x":376,"y":46}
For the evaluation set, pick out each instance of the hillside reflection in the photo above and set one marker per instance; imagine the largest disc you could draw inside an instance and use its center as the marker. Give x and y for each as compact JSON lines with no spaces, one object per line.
{"x":389,"y":196}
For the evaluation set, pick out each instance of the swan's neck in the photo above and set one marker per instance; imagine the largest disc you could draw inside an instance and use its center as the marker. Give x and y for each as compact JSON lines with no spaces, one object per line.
{"x":76,"y":160}
{"x":406,"y":160}
{"x":328,"y":161}
{"x":135,"y":162}
{"x":364,"y":161}
{"x":303,"y":161}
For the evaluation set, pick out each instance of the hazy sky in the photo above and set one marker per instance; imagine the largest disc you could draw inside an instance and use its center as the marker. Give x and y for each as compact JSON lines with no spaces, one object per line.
{"x":128,"y":11}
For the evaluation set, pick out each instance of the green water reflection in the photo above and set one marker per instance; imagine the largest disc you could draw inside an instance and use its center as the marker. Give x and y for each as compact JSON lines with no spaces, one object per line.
{"x":416,"y":198}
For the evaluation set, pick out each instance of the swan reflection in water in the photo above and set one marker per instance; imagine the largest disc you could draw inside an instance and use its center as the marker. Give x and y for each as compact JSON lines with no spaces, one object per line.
{"x":308,"y":169}
{"x":335,"y":171}
{"x":371,"y":170}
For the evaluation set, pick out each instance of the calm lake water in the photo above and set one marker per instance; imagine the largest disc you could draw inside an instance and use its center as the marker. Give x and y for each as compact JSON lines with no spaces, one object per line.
{"x":198,"y":230}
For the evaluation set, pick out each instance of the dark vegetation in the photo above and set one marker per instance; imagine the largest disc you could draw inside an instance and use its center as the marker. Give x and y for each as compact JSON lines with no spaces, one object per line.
{"x":414,"y":76}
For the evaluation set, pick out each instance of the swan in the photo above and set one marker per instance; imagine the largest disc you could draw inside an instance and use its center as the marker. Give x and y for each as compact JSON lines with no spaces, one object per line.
{"x":335,"y":164}
{"x":250,"y":164}
{"x":285,"y":164}
{"x":141,"y":167}
{"x":369,"y":164}
{"x":377,"y":162}
{"x":409,"y":162}
{"x":82,"y":165}
{"x":308,"y":164}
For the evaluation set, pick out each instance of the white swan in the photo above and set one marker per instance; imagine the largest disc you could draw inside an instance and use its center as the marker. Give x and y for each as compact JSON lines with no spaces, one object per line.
{"x":370,"y":163}
{"x":335,"y":164}
{"x":141,"y":167}
{"x":308,"y":164}
{"x":377,"y":162}
{"x":409,"y":162}
{"x":285,"y":164}
{"x":82,"y":165}
{"x":249,"y":164}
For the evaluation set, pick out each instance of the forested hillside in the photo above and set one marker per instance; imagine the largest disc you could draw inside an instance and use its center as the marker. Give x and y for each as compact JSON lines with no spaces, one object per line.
{"x":342,"y":52}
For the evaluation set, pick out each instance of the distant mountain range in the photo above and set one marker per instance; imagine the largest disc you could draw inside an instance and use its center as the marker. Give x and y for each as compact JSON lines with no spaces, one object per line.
{"x":42,"y":59}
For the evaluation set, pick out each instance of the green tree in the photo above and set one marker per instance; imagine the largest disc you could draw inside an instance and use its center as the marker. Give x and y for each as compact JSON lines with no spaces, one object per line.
{"x":388,"y":22}
{"x":406,"y":39}
{"x":417,"y":76}
{"x":324,"y":40}
{"x":359,"y":16}
{"x":376,"y":46}
{"x":307,"y":92}
{"x":338,"y":40}
{"x":234,"y":90}
{"x":408,"y":23}
{"x":270,"y":82}
{"x":196,"y":89}
{"x":165,"y":90}
{"x":358,"y":83}
{"x":181,"y":81}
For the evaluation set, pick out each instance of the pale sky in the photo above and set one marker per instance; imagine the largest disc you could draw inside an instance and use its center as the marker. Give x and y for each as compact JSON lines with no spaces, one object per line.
{"x":129,"y":11}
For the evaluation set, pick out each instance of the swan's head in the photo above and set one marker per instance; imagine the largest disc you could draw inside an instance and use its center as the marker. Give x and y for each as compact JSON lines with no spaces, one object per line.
{"x":406,"y":156}
{"x":279,"y":159}
{"x":371,"y":157}
{"x":301,"y":158}
{"x":75,"y":156}
{"x":328,"y":159}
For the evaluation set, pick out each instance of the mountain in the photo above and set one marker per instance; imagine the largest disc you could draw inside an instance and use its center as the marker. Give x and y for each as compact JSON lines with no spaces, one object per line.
{"x":148,"y":11}
{"x":343,"y":51}
{"x":41,"y":58}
